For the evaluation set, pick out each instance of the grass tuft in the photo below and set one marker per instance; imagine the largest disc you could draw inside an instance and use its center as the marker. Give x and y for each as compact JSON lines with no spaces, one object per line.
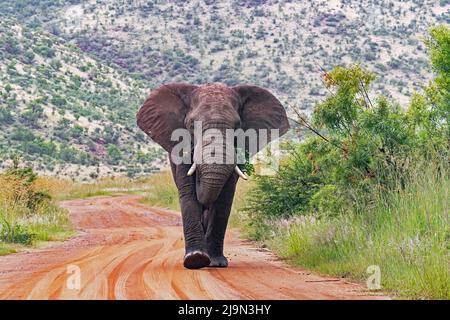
{"x":162,"y":191}
{"x":27,"y":212}
{"x":406,"y":234}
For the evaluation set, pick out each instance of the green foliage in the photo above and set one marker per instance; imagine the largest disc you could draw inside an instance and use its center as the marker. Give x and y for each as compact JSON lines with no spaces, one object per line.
{"x":370,"y":187}
{"x":429,"y":112}
{"x":327,"y":201}
{"x":289,"y":191}
{"x":22,"y":135}
{"x":247,"y":166}
{"x":27,"y":213}
{"x":58,"y":101}
{"x":163,"y":191}
{"x":340,"y":110}
{"x":15,"y":234}
{"x":366,"y":144}
{"x":5,"y":116}
{"x":114,"y":153}
{"x":45,"y":51}
{"x":405,"y":233}
{"x":78,"y":102}
{"x":439,"y":45}
{"x":25,"y":178}
{"x":33,"y":114}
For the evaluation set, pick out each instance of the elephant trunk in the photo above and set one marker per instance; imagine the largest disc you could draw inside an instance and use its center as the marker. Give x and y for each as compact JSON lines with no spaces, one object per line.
{"x":217,"y":165}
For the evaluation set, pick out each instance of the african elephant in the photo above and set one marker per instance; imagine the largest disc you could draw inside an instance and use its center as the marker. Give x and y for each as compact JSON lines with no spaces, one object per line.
{"x":206,"y":190}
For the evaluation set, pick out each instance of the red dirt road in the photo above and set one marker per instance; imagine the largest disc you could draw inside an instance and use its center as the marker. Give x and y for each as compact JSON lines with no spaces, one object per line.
{"x":126,"y":250}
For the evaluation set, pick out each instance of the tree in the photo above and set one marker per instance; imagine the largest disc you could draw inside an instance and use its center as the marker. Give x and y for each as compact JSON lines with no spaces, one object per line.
{"x":33,"y":113}
{"x":429,"y":111}
{"x":360,"y":144}
{"x":5,"y":116}
{"x":114,"y":154}
{"x":58,"y":101}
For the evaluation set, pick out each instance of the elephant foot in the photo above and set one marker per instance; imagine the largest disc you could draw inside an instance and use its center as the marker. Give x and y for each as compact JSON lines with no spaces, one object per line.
{"x":218,"y":262}
{"x":196,"y":260}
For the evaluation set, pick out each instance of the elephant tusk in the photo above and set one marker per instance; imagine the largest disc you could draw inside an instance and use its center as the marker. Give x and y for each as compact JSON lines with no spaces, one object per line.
{"x":192,"y":169}
{"x":240,"y":173}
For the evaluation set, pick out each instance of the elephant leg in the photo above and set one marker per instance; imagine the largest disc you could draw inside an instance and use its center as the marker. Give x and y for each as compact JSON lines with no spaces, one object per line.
{"x":217,"y":220}
{"x":191,"y":211}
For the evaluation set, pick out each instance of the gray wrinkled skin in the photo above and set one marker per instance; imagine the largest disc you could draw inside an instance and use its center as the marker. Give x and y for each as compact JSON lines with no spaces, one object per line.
{"x":206,"y":196}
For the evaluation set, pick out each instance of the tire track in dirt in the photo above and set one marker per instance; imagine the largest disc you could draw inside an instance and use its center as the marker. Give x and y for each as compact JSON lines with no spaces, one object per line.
{"x":126,"y":250}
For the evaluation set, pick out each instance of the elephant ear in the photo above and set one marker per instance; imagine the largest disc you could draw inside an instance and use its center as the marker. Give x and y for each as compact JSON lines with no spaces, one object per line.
{"x":261,"y":110}
{"x":164,"y":111}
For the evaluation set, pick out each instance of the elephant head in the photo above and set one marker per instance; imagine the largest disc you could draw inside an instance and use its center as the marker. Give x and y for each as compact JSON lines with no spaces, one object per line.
{"x":217,"y":106}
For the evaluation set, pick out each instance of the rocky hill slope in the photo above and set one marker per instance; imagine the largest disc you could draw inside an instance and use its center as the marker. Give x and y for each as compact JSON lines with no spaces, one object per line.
{"x":75,"y":71}
{"x":66,"y":112}
{"x":277,"y":44}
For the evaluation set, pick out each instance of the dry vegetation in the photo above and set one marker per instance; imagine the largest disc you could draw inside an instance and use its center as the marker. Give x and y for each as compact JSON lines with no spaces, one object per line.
{"x":65,"y":112}
{"x":28,"y":214}
{"x":75,"y":72}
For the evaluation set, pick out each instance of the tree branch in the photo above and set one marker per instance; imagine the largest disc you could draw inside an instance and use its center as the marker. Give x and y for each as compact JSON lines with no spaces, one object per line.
{"x":306,"y":124}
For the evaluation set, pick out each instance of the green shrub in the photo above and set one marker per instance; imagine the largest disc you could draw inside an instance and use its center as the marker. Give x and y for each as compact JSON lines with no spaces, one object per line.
{"x":370,"y":187}
{"x":5,"y":116}
{"x":361,"y":145}
{"x":27,"y":213}
{"x":405,"y":233}
{"x":15,"y":234}
{"x":163,"y":192}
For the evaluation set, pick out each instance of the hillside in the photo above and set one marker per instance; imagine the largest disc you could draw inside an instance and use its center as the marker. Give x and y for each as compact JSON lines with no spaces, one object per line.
{"x":66,"y":112}
{"x":96,"y":61}
{"x":277,"y":44}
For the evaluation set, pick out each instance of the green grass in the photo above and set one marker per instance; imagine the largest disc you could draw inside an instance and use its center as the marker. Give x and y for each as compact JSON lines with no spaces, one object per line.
{"x":163,"y":191}
{"x":6,"y":250}
{"x":22,"y":226}
{"x":46,"y":223}
{"x":63,"y":189}
{"x":28,"y":215}
{"x":240,"y":201}
{"x":405,"y":233}
{"x":54,"y":225}
{"x":88,"y":194}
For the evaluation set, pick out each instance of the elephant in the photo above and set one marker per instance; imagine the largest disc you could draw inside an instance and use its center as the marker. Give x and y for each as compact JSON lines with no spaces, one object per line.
{"x":206,"y":190}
